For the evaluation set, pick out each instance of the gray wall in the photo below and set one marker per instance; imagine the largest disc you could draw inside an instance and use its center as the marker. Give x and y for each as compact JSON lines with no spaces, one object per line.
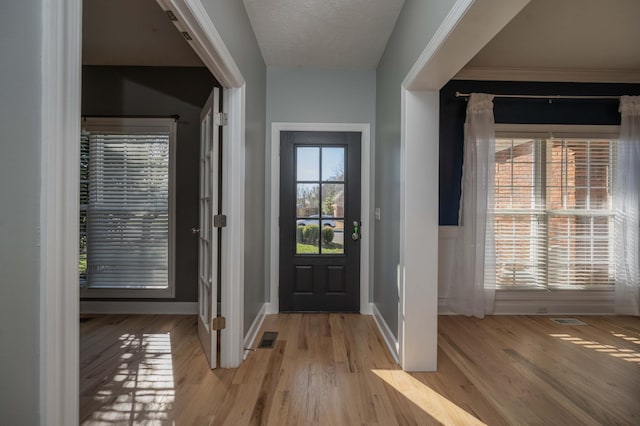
{"x":20,"y":50}
{"x":231,"y":21}
{"x":161,"y":91}
{"x":318,"y":96}
{"x":416,"y":24}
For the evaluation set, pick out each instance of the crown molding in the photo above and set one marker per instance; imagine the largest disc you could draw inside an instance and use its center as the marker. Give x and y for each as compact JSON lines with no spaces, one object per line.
{"x":549,"y":75}
{"x":458,"y":39}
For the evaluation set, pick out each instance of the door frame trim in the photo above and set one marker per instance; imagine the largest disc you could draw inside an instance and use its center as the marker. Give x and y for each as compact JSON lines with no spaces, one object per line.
{"x":210,"y":47}
{"x":273,"y":187}
{"x":59,"y":285}
{"x":457,"y":39}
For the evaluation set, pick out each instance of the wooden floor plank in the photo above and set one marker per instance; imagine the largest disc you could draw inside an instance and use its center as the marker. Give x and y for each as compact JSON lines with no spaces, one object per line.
{"x":334,"y":369}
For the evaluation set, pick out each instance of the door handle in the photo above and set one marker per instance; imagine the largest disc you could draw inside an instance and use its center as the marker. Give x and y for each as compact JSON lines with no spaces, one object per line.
{"x":195,"y":231}
{"x":355,"y":236}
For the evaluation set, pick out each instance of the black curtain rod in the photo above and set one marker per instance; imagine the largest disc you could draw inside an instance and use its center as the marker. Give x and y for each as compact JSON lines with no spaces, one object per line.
{"x":549,"y":97}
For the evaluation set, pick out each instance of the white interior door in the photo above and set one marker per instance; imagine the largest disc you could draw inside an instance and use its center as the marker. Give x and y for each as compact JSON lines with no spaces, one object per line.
{"x":208,"y":235}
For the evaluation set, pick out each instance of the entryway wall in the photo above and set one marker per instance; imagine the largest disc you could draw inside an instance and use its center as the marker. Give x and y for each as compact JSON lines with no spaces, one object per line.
{"x":317,"y":96}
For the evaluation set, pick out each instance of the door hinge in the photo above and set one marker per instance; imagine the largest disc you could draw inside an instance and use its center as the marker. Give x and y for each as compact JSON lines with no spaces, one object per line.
{"x":218,"y":323}
{"x":221,"y":118}
{"x":220,"y":220}
{"x":171,"y":15}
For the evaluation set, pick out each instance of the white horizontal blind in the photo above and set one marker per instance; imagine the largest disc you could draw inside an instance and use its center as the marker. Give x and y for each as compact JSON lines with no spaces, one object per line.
{"x":84,"y":204}
{"x":519,"y":216}
{"x":579,"y":204}
{"x":553,"y":218}
{"x":128,"y":212}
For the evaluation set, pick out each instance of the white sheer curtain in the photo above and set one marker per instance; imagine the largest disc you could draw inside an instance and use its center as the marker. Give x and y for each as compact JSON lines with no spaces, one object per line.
{"x":627,"y":205}
{"x":472,"y":291}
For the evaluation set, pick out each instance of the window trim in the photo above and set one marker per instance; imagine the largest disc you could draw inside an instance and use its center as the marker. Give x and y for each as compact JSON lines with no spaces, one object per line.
{"x":503,"y":130}
{"x":555,"y":130}
{"x":141,"y":124}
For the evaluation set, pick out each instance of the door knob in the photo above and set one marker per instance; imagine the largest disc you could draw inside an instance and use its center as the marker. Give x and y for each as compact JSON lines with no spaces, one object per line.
{"x":195,"y":231}
{"x":356,"y":231}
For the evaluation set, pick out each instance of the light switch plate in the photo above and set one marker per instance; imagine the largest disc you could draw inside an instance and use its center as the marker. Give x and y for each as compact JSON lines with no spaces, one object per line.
{"x":377,"y":213}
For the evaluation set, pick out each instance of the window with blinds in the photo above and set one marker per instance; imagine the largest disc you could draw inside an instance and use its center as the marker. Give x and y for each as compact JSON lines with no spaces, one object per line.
{"x":84,"y":204}
{"x":126,"y":212}
{"x":553,"y":217}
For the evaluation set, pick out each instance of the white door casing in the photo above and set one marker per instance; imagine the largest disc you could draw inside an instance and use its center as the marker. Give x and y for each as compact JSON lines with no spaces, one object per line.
{"x":366,"y":213}
{"x":208,"y":44}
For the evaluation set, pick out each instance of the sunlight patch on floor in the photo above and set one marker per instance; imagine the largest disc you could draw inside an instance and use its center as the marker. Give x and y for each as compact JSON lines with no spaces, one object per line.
{"x":429,"y":401}
{"x":627,"y":338}
{"x":142,"y":389}
{"x":614,"y":351}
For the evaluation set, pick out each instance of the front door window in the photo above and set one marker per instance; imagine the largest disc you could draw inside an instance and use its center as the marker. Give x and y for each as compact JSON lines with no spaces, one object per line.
{"x":320,"y":188}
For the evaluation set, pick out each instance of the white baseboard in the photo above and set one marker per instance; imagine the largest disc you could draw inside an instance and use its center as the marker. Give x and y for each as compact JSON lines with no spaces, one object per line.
{"x":366,"y":309}
{"x":144,"y":308}
{"x":443,"y":307}
{"x":254,"y":329}
{"x":387,"y":334}
{"x":270,"y":308}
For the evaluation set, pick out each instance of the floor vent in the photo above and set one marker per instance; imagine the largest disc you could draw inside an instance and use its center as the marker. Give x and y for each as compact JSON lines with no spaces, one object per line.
{"x":268,"y":340}
{"x":568,"y":321}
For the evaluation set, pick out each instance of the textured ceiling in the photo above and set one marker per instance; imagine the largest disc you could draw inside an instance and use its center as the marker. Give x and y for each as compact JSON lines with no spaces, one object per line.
{"x":323,"y":33}
{"x":126,"y":32}
{"x":547,"y":34}
{"x":568,"y":34}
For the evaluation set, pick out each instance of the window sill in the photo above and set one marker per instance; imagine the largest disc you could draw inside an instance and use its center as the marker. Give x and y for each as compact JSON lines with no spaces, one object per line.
{"x":557,"y":288}
{"x":532,"y":301}
{"x":127,"y":293}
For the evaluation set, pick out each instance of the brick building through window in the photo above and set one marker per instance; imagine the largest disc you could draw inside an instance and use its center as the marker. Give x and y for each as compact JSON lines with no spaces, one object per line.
{"x":553,"y":212}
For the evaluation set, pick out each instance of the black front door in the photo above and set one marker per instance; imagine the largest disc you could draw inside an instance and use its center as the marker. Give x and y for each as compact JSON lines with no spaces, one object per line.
{"x":320,"y":221}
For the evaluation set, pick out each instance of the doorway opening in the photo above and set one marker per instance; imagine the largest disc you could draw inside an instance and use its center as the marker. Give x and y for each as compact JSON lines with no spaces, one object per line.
{"x":59,"y":219}
{"x":278,"y":218}
{"x":320,"y":221}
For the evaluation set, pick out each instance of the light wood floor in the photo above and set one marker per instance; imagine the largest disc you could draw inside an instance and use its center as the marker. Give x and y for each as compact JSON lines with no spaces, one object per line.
{"x":334,"y":369}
